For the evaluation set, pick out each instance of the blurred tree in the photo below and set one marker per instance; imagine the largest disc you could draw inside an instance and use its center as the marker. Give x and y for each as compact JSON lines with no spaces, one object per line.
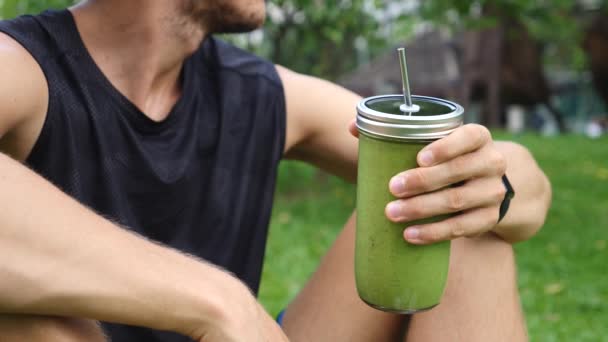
{"x":595,"y":44}
{"x":552,"y":23}
{"x":13,"y":8}
{"x":311,"y":37}
{"x":526,"y":36}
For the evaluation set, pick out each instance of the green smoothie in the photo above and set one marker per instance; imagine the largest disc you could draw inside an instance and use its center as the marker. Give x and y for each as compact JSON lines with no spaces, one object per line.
{"x":392,"y":274}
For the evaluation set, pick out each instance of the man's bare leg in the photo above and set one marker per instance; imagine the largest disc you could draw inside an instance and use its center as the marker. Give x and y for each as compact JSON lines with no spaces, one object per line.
{"x":481,"y":301}
{"x":15,"y":328}
{"x":329,"y":309}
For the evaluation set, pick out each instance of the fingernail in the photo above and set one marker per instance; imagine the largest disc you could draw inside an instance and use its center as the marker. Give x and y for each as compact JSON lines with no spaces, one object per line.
{"x":397,"y":185}
{"x":426,"y":158}
{"x":393,"y":210}
{"x":412,"y":233}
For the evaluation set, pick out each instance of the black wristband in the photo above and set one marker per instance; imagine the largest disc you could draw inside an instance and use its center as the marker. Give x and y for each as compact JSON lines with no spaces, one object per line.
{"x":504,"y":206}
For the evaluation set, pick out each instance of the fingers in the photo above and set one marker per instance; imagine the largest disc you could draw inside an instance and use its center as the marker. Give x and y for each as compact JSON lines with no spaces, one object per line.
{"x":482,"y":192}
{"x":465,"y":155}
{"x":470,"y":223}
{"x":486,"y":162}
{"x":465,"y":139}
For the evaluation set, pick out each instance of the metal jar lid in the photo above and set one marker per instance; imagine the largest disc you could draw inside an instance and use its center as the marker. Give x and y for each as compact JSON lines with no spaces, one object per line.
{"x":382,"y":117}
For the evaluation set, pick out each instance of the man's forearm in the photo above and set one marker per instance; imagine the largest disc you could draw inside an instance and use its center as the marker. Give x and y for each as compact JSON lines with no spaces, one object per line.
{"x":529,"y":207}
{"x":59,"y":258}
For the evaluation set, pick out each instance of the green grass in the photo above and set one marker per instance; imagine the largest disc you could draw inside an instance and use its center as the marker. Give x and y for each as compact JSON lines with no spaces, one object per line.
{"x":563,"y":278}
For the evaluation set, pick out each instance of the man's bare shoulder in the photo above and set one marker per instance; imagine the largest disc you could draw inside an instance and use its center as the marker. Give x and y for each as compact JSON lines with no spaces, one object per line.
{"x":315,"y":108}
{"x":23,"y":87}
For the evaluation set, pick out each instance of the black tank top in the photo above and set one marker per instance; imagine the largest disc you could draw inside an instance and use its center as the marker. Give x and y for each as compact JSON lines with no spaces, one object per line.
{"x":201,"y":181}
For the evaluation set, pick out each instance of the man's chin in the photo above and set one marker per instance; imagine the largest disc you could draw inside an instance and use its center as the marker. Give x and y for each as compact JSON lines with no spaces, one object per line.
{"x":240,"y":27}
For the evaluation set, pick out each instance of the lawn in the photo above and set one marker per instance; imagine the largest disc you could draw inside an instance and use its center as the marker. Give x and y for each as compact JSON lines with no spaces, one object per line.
{"x":563,"y":277}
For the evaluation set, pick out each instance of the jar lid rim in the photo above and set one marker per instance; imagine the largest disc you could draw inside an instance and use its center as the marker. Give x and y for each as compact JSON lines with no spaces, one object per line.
{"x":408,"y":127}
{"x":456,"y":110}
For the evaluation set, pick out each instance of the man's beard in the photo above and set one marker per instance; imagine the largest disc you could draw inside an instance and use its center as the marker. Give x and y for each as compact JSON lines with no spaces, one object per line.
{"x":226,"y":16}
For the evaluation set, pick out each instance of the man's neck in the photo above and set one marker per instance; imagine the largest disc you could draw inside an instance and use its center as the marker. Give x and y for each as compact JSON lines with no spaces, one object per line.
{"x":140,"y":46}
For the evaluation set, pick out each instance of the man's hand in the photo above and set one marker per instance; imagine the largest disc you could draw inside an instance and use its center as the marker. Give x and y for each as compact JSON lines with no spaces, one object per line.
{"x":257,"y":326}
{"x":466,"y":156}
{"x":317,"y":113}
{"x":244,"y":319}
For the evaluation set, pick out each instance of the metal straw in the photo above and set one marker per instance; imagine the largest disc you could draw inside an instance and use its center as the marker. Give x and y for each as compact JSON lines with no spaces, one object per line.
{"x":407,"y":96}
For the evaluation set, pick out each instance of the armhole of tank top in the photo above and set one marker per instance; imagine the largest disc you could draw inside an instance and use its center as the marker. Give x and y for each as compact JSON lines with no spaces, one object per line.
{"x":282,"y":122}
{"x":50,"y":105}
{"x":282,"y":117}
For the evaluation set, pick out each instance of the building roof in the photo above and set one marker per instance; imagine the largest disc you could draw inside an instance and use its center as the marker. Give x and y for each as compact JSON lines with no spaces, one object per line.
{"x":432,"y":65}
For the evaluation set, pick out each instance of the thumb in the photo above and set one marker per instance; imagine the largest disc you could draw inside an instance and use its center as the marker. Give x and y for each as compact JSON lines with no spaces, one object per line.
{"x":352,"y":128}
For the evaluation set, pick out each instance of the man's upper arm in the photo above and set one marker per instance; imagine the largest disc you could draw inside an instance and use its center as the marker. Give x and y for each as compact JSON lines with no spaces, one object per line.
{"x":318,"y":115}
{"x":23,"y":98}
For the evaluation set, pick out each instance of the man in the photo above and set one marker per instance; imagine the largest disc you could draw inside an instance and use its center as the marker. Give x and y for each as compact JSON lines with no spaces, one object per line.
{"x":172,"y":139}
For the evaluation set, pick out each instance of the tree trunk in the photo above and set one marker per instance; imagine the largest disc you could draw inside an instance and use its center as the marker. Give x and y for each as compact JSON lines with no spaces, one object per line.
{"x":557,"y":116}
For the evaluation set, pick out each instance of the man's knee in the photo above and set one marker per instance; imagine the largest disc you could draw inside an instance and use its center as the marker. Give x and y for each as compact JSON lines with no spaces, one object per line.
{"x":481,"y":287}
{"x":15,"y":328}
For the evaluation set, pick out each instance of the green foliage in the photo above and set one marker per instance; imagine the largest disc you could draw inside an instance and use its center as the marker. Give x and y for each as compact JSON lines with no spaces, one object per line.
{"x":311,"y":37}
{"x":561,"y":271}
{"x":553,"y":23}
{"x":467,"y":13}
{"x":13,"y":8}
{"x":324,"y":43}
